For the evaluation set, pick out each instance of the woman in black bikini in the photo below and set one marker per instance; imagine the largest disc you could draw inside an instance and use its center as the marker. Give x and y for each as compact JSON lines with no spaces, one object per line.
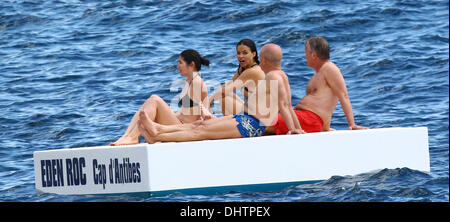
{"x":246,"y":77}
{"x":191,"y":106}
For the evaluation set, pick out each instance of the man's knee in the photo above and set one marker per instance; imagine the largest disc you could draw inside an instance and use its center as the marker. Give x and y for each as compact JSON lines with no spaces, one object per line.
{"x":200,"y":129}
{"x":197,"y":123}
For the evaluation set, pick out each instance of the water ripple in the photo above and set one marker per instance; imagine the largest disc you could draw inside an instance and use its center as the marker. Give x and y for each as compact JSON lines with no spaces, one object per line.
{"x":73,"y":74}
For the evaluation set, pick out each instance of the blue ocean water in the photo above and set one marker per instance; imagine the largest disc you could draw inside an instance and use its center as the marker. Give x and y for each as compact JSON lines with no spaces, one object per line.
{"x":72,"y":74}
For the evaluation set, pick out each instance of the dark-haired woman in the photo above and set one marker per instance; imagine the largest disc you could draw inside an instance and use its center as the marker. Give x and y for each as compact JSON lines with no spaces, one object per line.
{"x":193,"y":99}
{"x":246,"y":78}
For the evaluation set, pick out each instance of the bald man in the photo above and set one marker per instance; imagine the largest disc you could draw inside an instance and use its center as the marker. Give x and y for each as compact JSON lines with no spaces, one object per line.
{"x":272,"y":96}
{"x":271,"y":56}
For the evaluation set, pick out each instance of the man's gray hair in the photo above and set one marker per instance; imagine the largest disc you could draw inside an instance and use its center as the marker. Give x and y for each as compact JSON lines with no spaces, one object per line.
{"x":320,"y":46}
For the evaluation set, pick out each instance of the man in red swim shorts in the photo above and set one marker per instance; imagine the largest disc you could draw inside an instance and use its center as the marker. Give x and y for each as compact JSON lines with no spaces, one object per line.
{"x":325,"y":88}
{"x":309,"y":122}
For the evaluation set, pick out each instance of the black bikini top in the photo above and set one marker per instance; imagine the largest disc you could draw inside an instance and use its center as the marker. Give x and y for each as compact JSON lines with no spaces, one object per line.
{"x":186,"y":102}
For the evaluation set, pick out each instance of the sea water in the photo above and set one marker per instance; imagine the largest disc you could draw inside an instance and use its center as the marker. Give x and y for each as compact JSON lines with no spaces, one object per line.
{"x":73,"y":73}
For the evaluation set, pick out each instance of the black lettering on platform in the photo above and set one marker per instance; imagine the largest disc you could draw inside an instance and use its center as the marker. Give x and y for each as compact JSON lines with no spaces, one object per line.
{"x":60,"y":172}
{"x":52,"y":173}
{"x":111,"y":175}
{"x":99,"y":171}
{"x":44,"y":182}
{"x":69,"y":172}
{"x":83,"y":175}
{"x":74,"y":171}
{"x":120,"y":171}
{"x":125,"y":171}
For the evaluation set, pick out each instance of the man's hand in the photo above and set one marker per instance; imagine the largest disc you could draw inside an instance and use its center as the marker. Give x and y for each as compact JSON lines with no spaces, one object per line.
{"x":205,"y":113}
{"x":356,"y":127}
{"x":296,"y":131}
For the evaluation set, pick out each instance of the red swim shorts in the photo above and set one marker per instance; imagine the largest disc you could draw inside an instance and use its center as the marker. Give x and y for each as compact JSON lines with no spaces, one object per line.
{"x":309,"y":121}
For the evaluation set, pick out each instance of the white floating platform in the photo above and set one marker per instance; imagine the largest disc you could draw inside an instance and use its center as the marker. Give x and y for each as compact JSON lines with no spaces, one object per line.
{"x":231,"y":164}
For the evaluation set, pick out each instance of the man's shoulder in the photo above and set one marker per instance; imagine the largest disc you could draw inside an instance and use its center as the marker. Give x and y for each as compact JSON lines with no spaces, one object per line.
{"x":330,"y":68}
{"x":276,"y":73}
{"x":272,"y":75}
{"x":329,"y":65}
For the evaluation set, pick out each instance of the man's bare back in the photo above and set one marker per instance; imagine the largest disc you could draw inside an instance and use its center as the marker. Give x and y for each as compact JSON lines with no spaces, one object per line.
{"x":266,"y":111}
{"x":275,"y":89}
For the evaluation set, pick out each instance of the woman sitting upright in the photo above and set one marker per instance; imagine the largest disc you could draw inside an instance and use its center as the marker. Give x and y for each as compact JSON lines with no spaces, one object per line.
{"x":193,"y":99}
{"x":246,"y":78}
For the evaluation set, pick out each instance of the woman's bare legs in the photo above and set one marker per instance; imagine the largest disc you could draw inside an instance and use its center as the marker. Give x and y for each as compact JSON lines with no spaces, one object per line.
{"x":175,"y":127}
{"x":165,"y":128}
{"x":157,"y":110}
{"x":218,"y":128}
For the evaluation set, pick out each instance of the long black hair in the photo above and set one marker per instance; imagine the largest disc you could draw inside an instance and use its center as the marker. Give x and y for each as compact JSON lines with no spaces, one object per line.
{"x":252,"y":46}
{"x":190,"y":55}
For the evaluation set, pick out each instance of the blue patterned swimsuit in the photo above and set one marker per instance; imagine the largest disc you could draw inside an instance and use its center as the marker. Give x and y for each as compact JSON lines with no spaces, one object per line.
{"x":248,"y":125}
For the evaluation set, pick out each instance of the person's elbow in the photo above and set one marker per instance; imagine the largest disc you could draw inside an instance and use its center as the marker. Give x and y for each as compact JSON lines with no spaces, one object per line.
{"x":284,"y":105}
{"x":343,"y":96}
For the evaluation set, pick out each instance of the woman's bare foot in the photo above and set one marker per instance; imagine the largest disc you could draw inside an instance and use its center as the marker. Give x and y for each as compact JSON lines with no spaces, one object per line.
{"x":147,"y":127}
{"x":145,"y":134}
{"x":125,"y":141}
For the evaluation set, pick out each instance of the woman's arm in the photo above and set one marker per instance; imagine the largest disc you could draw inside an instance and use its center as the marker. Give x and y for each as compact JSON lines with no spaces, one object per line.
{"x":220,"y":92}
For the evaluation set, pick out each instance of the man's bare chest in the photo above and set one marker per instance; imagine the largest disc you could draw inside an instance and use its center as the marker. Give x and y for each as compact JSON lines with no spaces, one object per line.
{"x":316,"y":83}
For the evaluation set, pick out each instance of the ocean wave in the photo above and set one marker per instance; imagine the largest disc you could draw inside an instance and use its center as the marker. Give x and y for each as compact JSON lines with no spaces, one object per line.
{"x":74,"y":73}
{"x":14,"y":21}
